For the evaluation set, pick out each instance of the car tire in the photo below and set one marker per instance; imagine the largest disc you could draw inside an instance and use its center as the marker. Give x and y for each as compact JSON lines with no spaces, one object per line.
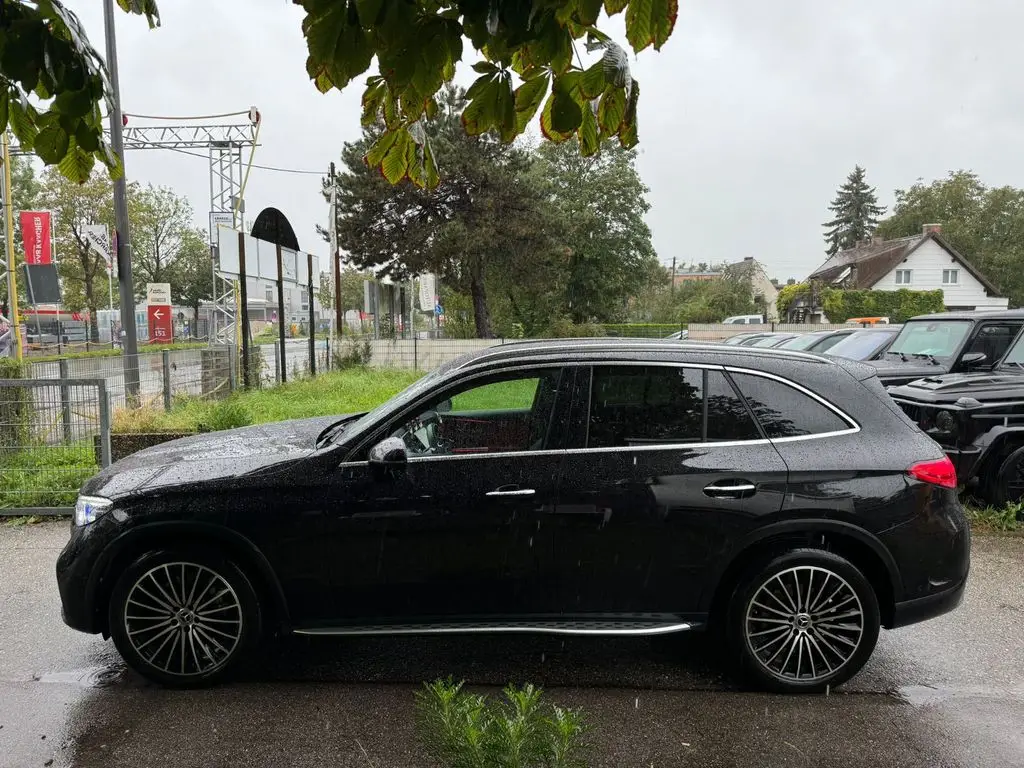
{"x":802,"y":622}
{"x":184,"y":619}
{"x":1010,"y":474}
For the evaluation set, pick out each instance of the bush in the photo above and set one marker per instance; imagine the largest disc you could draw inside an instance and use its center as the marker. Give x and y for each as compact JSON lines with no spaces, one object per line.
{"x":15,"y":404}
{"x":465,"y":730}
{"x":351,"y":352}
{"x":641,"y":330}
{"x":564,"y":328}
{"x":899,"y":306}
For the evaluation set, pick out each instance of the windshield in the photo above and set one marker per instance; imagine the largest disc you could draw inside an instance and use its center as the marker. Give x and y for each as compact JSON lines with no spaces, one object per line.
{"x":407,"y":395}
{"x":861,"y":345}
{"x":768,"y":341}
{"x":806,"y":341}
{"x":935,"y":338}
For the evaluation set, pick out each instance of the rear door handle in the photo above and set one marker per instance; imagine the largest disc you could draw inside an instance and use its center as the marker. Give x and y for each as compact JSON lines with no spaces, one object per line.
{"x":737,"y":490}
{"x":512,"y":491}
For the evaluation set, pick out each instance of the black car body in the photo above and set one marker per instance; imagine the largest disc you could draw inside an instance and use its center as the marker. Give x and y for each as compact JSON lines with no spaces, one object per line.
{"x":591,"y":487}
{"x":978,"y":419}
{"x":951,"y":342}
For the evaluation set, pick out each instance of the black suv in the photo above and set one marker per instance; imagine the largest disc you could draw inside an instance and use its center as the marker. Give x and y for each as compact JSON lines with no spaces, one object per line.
{"x":951,"y":342}
{"x":607,"y":487}
{"x":978,"y":419}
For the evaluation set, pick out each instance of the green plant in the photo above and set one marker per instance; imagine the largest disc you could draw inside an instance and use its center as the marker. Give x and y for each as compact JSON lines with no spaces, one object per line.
{"x":564,"y":328}
{"x":15,"y":404}
{"x":899,"y":306}
{"x":642,"y":330}
{"x":788,"y":294}
{"x":466,"y":730}
{"x":1006,"y":519}
{"x":352,"y":352}
{"x":226,"y":414}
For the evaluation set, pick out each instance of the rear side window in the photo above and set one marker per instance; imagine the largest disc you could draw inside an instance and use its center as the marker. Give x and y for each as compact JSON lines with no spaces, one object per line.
{"x":728,"y":416}
{"x":639,"y":405}
{"x":785,"y":411}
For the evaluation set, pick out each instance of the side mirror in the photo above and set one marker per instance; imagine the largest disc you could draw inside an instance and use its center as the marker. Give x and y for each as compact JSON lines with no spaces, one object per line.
{"x":389,"y":453}
{"x":972,"y":359}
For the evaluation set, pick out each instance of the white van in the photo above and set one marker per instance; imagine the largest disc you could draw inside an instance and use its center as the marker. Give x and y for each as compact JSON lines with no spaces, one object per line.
{"x":744,"y":320}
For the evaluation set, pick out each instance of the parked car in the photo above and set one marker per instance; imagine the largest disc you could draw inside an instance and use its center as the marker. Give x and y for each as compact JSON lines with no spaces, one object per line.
{"x":744,"y":320}
{"x":616,"y":486}
{"x":950,"y":342}
{"x":865,"y":345}
{"x":739,"y":338}
{"x":816,"y":341}
{"x":768,"y":339}
{"x":679,"y":335}
{"x":978,"y":419}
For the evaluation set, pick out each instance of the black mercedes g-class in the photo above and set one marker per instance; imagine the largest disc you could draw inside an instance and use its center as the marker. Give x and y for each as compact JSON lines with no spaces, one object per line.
{"x":978,"y":419}
{"x":951,"y":342}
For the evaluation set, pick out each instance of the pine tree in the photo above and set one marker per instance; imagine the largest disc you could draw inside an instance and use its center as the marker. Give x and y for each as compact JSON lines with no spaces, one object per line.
{"x":856,"y":212}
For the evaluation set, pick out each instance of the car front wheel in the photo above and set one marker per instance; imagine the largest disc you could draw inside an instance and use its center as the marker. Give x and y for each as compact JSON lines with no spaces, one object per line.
{"x":183,"y":620}
{"x":805,"y":621}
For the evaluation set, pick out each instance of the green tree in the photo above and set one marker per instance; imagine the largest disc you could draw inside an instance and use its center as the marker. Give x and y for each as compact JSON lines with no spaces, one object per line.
{"x":527,"y":58}
{"x":985,"y":224}
{"x":44,"y":52}
{"x":602,"y":202}
{"x":190,"y":274}
{"x":82,"y":270}
{"x":484,"y":215}
{"x":161,"y":222}
{"x":855,"y":213}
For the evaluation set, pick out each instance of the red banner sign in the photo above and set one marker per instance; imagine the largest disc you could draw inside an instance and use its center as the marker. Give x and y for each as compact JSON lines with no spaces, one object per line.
{"x":161,"y":324}
{"x":35,"y":233}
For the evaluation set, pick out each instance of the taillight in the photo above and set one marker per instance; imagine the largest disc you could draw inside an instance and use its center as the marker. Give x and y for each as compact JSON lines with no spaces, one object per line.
{"x":939,"y":472}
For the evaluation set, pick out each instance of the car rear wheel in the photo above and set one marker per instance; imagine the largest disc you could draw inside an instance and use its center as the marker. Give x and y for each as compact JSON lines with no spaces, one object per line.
{"x":1007,"y":486}
{"x":803,"y":622}
{"x":182,"y":619}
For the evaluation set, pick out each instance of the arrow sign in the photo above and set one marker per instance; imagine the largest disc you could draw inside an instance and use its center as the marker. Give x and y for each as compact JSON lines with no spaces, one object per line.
{"x":161,"y":325}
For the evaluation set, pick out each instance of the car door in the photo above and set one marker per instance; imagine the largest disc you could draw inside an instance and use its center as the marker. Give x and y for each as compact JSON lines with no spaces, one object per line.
{"x":448,"y":536}
{"x":661,"y":458}
{"x":991,"y":339}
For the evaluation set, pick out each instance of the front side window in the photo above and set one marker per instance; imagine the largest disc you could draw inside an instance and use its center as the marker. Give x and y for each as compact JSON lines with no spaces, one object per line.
{"x":642,"y":405}
{"x":992,"y":340}
{"x":950,"y":276}
{"x":507,"y":413}
{"x":728,"y":416}
{"x":784,"y":411}
{"x":902,"y":277}
{"x":1015,"y":355}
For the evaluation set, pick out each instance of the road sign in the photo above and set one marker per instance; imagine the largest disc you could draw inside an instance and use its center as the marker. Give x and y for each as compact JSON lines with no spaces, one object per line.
{"x":159,"y":313}
{"x":158,"y":293}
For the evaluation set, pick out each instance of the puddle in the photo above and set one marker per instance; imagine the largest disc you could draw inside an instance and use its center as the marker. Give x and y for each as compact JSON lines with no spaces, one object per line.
{"x":90,"y":677}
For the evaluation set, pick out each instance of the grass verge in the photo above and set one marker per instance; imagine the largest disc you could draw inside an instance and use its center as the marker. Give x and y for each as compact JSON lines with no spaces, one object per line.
{"x":144,"y":349}
{"x":994,"y":519}
{"x":44,"y":476}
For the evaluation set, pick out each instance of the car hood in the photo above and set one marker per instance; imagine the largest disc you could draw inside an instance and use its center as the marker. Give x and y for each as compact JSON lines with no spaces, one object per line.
{"x":893,"y":368}
{"x":208,"y":457}
{"x":983,"y":386}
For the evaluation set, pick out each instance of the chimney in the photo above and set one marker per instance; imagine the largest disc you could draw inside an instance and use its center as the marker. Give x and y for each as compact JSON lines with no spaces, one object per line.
{"x":929,"y":229}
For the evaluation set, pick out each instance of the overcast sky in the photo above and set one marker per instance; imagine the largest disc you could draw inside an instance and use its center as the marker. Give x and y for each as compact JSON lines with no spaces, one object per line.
{"x":750,"y":117}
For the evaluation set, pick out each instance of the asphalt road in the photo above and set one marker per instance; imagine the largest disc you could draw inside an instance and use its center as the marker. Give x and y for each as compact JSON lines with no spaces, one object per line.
{"x":949,"y":692}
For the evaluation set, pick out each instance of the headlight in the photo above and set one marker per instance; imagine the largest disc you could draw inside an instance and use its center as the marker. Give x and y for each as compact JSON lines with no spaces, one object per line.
{"x":88,"y":508}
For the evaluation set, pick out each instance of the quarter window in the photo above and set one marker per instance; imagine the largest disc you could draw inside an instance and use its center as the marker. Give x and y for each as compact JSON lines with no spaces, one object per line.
{"x":903,"y":277}
{"x":641,"y":405}
{"x":728,"y":417}
{"x":784,"y":411}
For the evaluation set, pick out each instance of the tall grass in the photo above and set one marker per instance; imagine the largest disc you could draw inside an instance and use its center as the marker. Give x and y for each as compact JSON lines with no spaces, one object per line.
{"x":44,"y":476}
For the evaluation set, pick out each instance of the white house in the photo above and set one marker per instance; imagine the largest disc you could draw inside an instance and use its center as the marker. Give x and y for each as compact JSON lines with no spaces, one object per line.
{"x":924,"y":262}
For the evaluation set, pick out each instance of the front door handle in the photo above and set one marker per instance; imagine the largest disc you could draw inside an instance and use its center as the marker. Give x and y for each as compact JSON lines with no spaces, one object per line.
{"x":511,"y":491}
{"x":738,"y":490}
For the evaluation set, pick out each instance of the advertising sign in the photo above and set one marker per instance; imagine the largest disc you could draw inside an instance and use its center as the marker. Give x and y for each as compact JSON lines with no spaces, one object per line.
{"x":161,"y":320}
{"x":35,"y":233}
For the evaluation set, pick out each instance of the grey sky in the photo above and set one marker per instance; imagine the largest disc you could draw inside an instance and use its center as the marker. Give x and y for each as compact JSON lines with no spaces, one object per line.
{"x":750,"y":117}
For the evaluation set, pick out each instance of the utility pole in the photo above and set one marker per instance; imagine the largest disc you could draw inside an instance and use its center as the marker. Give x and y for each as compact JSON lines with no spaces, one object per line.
{"x":122,"y":234}
{"x":673,"y":288}
{"x":339,"y":320}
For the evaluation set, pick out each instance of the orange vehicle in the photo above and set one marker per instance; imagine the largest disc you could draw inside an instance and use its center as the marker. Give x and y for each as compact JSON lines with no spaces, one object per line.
{"x":868,"y":321}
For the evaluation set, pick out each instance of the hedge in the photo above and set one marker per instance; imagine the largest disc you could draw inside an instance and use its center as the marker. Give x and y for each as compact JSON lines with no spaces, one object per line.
{"x":642,"y":330}
{"x":899,"y":306}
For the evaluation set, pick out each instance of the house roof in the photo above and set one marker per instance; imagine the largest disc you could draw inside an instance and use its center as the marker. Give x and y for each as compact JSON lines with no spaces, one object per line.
{"x":874,"y":260}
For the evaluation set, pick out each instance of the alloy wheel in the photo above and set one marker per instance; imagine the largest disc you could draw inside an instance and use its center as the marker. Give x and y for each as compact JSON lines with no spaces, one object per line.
{"x":183,"y":618}
{"x":804,"y":624}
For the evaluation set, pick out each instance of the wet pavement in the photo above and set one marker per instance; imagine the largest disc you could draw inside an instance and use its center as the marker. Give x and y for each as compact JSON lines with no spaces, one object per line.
{"x":949,"y":692}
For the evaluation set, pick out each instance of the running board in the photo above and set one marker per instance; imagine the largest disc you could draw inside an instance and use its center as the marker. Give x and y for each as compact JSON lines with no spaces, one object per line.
{"x":601,"y":628}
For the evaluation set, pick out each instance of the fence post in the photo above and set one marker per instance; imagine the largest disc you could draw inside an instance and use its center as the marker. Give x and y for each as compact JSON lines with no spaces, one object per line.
{"x":232,"y":377}
{"x":104,"y":423}
{"x":166,"y":355}
{"x":415,"y":359}
{"x":277,"y":364}
{"x":65,"y":400}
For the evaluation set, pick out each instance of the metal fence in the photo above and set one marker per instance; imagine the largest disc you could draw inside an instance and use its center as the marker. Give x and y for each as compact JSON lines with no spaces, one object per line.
{"x":54,"y":434}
